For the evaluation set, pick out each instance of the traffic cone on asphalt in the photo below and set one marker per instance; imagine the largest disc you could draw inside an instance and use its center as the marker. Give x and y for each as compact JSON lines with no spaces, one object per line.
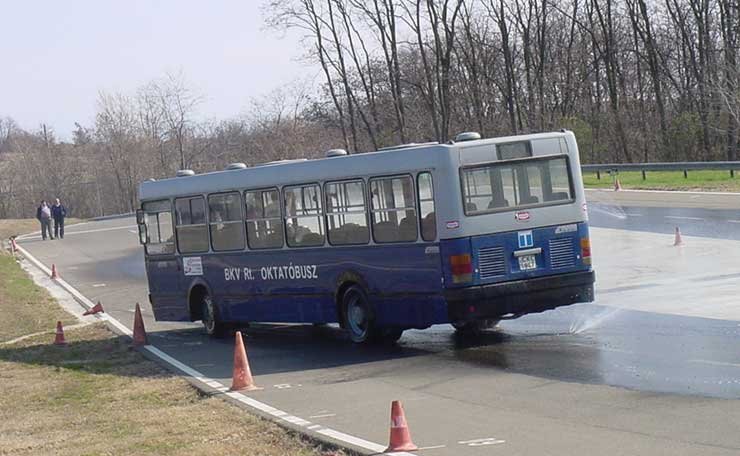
{"x":678,"y":240}
{"x":617,"y":185}
{"x":400,"y":436}
{"x":242,"y":377}
{"x":59,"y":339}
{"x":139,"y":331}
{"x":54,"y":273}
{"x":13,"y":245}
{"x":97,"y":308}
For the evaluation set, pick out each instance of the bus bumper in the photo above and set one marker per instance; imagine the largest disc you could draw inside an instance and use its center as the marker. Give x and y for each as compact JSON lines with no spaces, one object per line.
{"x":521,"y":297}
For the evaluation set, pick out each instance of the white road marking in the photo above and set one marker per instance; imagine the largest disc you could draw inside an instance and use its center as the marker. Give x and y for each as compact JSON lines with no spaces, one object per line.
{"x":733,"y":221}
{"x":713,"y":363}
{"x":200,"y":378}
{"x":634,"y":215}
{"x":98,"y":285}
{"x":435,"y":447}
{"x":325,"y":415}
{"x":99,"y":230}
{"x":482,"y":442}
{"x":132,"y":231}
{"x":678,"y":217}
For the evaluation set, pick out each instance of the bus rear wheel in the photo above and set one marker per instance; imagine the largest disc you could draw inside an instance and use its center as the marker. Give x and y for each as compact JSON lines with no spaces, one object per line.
{"x":211,"y":319}
{"x":474,"y":327}
{"x":359,"y":318}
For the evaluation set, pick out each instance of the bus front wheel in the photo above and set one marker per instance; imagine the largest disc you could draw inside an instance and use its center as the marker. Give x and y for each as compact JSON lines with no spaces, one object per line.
{"x":211,"y":320}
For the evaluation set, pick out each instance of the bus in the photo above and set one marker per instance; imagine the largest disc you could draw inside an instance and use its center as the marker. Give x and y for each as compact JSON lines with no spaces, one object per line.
{"x":468,"y":232}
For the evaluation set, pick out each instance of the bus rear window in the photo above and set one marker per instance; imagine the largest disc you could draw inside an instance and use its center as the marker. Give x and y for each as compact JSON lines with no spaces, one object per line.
{"x":516,"y":184}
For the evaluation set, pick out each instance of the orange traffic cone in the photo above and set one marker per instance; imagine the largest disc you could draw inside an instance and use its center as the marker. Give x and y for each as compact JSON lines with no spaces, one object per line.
{"x":400,"y":436}
{"x":54,"y":273}
{"x":13,"y":245}
{"x":59,"y":339}
{"x":678,"y":240}
{"x":97,"y":308}
{"x":139,"y":330}
{"x":617,"y":185}
{"x":242,"y":377}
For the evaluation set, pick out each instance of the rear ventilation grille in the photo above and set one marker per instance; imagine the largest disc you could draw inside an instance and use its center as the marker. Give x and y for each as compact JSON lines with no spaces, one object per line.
{"x":491,"y":262}
{"x":561,"y":253}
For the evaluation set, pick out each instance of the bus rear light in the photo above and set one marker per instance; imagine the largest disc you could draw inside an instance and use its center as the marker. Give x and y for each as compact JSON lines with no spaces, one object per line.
{"x":462,"y":268}
{"x":586,"y":250}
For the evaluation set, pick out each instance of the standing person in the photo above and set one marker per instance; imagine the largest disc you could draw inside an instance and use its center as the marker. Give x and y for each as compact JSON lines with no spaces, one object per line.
{"x":43,"y":214}
{"x":58,"y":212}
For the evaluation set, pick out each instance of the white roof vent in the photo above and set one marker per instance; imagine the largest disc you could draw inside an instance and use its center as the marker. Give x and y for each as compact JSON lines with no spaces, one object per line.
{"x":467,"y":136}
{"x":185,"y":173}
{"x":336,"y":153}
{"x":234,"y":166}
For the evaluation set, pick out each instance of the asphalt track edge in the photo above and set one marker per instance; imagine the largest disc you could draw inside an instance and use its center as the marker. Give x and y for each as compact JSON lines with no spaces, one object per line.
{"x":210,"y":386}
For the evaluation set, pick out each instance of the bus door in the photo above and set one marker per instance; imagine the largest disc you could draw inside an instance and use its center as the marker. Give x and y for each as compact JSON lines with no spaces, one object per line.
{"x":162,"y":265}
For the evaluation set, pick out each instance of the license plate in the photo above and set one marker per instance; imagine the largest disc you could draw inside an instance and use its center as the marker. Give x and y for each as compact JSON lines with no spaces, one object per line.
{"x":527,"y":262}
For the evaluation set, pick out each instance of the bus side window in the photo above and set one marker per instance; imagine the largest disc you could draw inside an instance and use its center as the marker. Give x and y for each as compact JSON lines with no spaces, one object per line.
{"x":346,"y":213}
{"x":304,"y":225}
{"x":158,"y":220}
{"x":225,"y":221}
{"x":393,"y":209}
{"x":426,"y":207}
{"x":192,"y":232}
{"x":264,"y":221}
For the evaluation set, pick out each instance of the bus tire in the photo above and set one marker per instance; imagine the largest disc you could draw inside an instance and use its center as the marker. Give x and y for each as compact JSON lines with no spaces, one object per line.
{"x":388,"y":335}
{"x":475,"y":327}
{"x":359,"y":315}
{"x":211,"y":318}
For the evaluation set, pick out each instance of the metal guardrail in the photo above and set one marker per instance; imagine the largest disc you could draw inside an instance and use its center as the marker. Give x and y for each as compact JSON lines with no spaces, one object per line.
{"x":615,"y":168}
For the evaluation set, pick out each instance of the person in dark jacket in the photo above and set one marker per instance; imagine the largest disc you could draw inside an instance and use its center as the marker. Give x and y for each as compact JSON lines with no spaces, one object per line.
{"x":58,"y":212}
{"x":43,"y":214}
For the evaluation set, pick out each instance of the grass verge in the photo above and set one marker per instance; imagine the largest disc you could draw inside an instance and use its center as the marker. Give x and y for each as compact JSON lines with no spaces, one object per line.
{"x":97,"y":396}
{"x":719,"y":181}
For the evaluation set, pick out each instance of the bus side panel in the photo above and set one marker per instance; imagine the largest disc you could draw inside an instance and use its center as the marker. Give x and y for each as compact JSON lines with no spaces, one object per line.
{"x":167,"y":298}
{"x":403,"y":281}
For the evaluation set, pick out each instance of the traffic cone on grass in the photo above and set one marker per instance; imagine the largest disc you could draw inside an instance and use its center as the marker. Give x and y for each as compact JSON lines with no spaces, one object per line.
{"x":678,"y":240}
{"x":400,"y":436}
{"x":242,"y":377}
{"x":97,"y":308}
{"x":139,"y":330}
{"x":54,"y":273}
{"x":59,"y":339}
{"x":617,"y":185}
{"x":13,"y":245}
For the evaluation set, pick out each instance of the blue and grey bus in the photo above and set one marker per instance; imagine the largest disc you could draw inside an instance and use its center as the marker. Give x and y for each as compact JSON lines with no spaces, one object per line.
{"x":468,"y":232}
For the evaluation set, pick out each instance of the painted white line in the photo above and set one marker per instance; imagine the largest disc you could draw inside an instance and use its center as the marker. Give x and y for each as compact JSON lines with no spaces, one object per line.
{"x":325,"y":415}
{"x":680,"y":192}
{"x":733,"y":221}
{"x":201,"y":378}
{"x":713,"y":363}
{"x":98,"y":285}
{"x":634,"y":215}
{"x":678,"y":217}
{"x":132,"y":231}
{"x":435,"y":447}
{"x":67,"y":233}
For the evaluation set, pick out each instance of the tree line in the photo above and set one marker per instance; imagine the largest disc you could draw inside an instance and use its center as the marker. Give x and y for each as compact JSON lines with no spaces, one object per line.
{"x":636,"y":80}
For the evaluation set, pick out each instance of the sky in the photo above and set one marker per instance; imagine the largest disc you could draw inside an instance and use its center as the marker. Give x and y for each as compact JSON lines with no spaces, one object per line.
{"x":56,"y":56}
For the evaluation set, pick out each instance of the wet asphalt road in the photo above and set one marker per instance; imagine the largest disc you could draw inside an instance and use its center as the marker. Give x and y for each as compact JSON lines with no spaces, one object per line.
{"x":578,"y":352}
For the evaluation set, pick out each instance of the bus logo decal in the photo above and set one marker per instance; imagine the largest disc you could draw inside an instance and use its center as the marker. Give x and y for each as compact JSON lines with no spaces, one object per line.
{"x":192,"y":266}
{"x":525,"y":239}
{"x":452,"y":224}
{"x":522,"y":216}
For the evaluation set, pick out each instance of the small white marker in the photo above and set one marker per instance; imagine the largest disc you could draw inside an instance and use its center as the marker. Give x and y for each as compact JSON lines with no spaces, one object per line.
{"x":98,"y":285}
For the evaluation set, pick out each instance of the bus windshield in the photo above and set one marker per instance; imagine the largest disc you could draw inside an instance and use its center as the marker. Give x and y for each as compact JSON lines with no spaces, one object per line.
{"x":511,"y":185}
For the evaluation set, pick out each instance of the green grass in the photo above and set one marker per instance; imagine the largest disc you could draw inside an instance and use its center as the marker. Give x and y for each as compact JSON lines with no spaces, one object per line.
{"x":26,"y":308}
{"x":668,"y":180}
{"x":97,"y":396}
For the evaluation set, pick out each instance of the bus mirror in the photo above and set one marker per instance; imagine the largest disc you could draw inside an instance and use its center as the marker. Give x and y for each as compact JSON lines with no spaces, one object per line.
{"x":142,"y":234}
{"x":139,"y":216}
